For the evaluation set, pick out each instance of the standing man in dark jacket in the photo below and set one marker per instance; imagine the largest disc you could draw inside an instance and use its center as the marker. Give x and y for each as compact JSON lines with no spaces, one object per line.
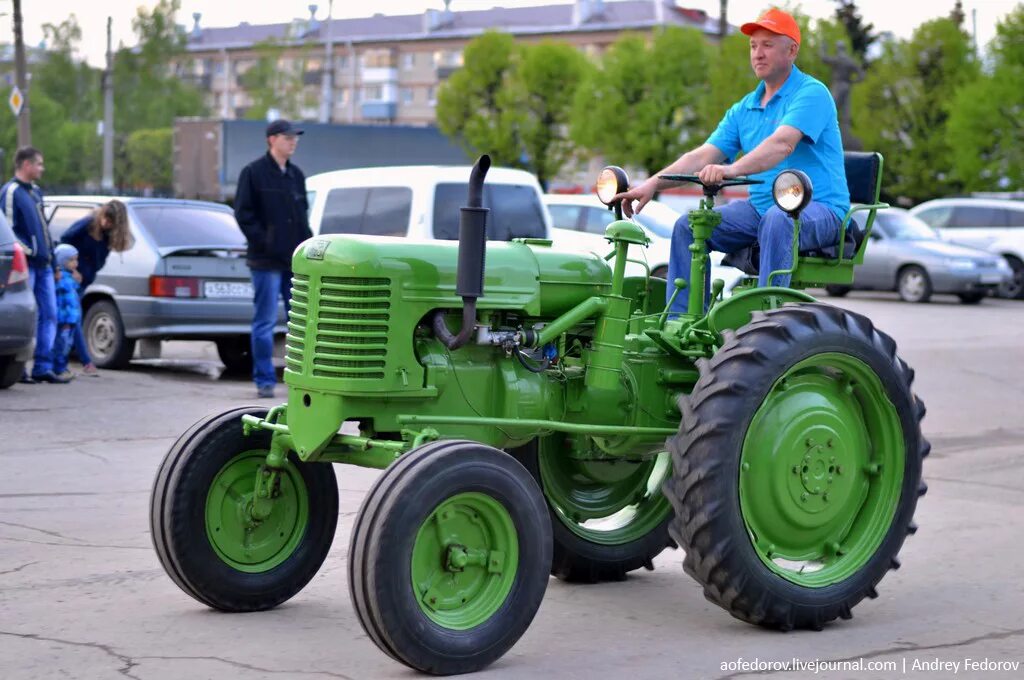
{"x":271,"y":208}
{"x":22,"y":203}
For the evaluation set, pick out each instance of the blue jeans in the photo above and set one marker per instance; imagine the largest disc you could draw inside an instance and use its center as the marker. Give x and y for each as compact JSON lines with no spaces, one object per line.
{"x":742,"y":226}
{"x":62,"y":346}
{"x":81,"y":349}
{"x":44,"y":288}
{"x":268,"y":285}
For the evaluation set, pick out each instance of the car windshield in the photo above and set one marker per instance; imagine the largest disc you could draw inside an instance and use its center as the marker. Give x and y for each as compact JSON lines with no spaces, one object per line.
{"x":902,"y":226}
{"x":173,"y":226}
{"x":654,"y":225}
{"x":515,"y":211}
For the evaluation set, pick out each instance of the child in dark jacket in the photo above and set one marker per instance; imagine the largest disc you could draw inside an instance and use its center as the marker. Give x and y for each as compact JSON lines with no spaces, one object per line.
{"x":69,"y":309}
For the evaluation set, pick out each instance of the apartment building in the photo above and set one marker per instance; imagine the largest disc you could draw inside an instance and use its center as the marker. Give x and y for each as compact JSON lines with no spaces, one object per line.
{"x":387,"y":69}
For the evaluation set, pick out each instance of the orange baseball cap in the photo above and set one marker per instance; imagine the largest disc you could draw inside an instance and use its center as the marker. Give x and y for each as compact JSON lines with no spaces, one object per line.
{"x":776,"y":21}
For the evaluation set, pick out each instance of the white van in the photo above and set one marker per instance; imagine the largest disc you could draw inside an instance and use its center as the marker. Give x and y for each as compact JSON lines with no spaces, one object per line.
{"x":422,"y":202}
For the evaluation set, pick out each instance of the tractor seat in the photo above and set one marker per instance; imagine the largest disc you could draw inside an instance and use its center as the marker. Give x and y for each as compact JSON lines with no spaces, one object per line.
{"x":862,"y":171}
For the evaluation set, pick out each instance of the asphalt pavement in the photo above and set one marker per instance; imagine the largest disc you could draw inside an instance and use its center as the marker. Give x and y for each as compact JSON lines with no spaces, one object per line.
{"x":83,"y":596}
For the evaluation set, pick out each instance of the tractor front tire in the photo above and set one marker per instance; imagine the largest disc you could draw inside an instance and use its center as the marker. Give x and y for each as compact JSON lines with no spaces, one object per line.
{"x":608,"y":551}
{"x":449,"y":557}
{"x":797,"y":467}
{"x":198,"y":513}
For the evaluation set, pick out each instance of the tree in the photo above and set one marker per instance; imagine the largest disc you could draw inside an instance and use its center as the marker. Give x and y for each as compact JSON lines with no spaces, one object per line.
{"x":984,"y":132}
{"x":537,"y":104}
{"x":643,"y":105}
{"x":469,"y":104}
{"x":729,"y":79}
{"x":902,"y":108}
{"x":859,"y":33}
{"x":147,"y":154}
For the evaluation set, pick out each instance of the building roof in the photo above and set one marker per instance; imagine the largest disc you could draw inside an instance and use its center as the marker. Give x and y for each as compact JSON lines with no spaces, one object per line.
{"x":435,"y":25}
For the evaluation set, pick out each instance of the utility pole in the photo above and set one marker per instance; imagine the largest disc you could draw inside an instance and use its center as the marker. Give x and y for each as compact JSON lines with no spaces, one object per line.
{"x":327,"y":75}
{"x":723,"y":21}
{"x":107,"y":182}
{"x":21,"y":79}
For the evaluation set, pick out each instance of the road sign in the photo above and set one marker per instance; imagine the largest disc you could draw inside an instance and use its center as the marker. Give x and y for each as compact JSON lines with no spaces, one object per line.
{"x":16,"y":100}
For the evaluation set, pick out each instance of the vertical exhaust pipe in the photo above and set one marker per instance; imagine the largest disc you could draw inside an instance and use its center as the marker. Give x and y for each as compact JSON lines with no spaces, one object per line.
{"x":469,"y":282}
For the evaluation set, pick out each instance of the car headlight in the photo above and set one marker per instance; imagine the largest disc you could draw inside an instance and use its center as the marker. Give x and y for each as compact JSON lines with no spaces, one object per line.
{"x":792,"y":191}
{"x":961,"y":263}
{"x":610,"y":182}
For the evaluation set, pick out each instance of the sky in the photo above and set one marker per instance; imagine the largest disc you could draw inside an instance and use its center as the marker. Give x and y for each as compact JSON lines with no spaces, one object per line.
{"x":900,"y":17}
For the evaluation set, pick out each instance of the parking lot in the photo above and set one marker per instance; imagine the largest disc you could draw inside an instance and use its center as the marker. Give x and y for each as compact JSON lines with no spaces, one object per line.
{"x":82,"y":594}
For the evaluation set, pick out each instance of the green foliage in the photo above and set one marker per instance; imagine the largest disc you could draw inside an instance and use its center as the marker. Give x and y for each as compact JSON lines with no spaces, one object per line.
{"x":643,"y":105}
{"x":273,"y":84}
{"x":903,"y":105}
{"x":730,"y":78}
{"x":984,"y":132}
{"x":147,"y":155}
{"x":469,"y":103}
{"x":148,"y":95}
{"x":537,"y":101}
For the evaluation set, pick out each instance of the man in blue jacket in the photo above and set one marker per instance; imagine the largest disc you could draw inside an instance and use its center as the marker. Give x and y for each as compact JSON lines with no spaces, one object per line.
{"x":22,"y":203}
{"x":271,"y":208}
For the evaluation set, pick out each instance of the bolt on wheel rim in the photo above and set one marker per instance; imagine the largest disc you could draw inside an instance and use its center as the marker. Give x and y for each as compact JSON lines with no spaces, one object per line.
{"x":821,"y":470}
{"x":239,"y":540}
{"x":610,"y":502}
{"x":464,"y":560}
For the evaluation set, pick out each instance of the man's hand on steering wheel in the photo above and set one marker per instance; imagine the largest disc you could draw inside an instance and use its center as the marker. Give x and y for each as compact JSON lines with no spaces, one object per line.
{"x":715,"y":174}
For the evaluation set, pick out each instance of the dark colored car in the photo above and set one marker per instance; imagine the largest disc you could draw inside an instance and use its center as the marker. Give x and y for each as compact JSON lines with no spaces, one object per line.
{"x":17,"y":308}
{"x":184,"y":279}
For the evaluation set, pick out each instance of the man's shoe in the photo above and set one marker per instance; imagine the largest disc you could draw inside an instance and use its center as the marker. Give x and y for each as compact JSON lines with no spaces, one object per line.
{"x":265,"y":392}
{"x":50,"y":377}
{"x":26,"y":379}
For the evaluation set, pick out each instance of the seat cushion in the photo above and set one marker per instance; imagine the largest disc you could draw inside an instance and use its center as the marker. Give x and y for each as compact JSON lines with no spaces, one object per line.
{"x":747,"y":259}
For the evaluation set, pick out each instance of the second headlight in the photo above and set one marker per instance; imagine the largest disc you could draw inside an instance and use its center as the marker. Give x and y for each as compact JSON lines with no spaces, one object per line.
{"x":792,"y":191}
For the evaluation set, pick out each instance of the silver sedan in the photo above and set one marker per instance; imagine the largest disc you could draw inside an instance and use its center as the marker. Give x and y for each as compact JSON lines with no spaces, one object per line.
{"x":907,"y":256}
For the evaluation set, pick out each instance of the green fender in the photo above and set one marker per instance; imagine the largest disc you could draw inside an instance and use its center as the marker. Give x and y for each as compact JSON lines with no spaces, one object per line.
{"x":736,"y":311}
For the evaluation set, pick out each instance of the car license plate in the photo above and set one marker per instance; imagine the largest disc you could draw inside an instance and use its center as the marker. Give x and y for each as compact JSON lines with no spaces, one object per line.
{"x":991,"y":278}
{"x":227,"y":289}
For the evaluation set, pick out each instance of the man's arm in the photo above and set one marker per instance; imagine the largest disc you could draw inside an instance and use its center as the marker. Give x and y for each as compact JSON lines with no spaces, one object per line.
{"x":687,"y":164}
{"x":764,"y":156}
{"x":246,"y":210}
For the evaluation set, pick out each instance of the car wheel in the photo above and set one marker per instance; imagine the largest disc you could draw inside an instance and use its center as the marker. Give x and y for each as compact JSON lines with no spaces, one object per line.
{"x":971,"y":298}
{"x":10,"y":371}
{"x":236,"y":354}
{"x":914,"y":285}
{"x":105,"y":338}
{"x":1014,"y":288}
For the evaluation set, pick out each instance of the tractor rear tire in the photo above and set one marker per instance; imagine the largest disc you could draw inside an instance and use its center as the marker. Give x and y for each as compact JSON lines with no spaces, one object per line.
{"x":766,"y":407}
{"x":196,"y":513}
{"x":439,"y":503}
{"x":579,"y":560}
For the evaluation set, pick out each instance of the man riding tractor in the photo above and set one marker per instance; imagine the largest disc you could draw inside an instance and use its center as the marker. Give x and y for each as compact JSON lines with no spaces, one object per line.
{"x":788,"y":122}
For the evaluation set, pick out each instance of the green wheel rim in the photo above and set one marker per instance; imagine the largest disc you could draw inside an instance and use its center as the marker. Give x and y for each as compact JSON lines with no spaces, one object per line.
{"x":609,"y":502}
{"x":464,"y":560}
{"x":821,"y":470}
{"x":246,"y":545}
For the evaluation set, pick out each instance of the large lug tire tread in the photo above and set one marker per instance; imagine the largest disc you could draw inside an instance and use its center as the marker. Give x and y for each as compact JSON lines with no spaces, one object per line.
{"x":125,"y":348}
{"x":705,"y":454}
{"x":577,"y":560}
{"x":1015,"y":291}
{"x":10,"y":372}
{"x":395,"y":623}
{"x":190,"y":560}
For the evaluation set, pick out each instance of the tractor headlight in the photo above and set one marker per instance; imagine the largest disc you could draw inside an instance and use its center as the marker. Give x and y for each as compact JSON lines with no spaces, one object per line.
{"x":611,"y":181}
{"x":792,"y":191}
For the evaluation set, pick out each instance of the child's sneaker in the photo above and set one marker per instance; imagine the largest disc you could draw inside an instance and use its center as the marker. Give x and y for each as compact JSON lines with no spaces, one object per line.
{"x":90,"y":370}
{"x":66,"y":375}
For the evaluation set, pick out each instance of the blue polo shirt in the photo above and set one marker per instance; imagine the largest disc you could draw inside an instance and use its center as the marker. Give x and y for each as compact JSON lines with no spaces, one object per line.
{"x":802,"y":102}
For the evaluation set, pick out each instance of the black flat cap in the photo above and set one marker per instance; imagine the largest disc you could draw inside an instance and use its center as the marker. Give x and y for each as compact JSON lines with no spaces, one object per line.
{"x":283,"y":127}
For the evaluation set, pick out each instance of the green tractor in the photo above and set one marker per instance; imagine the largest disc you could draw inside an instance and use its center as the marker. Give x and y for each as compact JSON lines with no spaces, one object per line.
{"x":570,"y":426}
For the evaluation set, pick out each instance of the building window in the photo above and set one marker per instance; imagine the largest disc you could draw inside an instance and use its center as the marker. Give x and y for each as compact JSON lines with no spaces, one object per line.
{"x":373,"y":93}
{"x":432,"y":95}
{"x":409,"y":60}
{"x":343,"y":62}
{"x":447,"y":58}
{"x":407,"y":95}
{"x":378,"y":59}
{"x":342,"y":98}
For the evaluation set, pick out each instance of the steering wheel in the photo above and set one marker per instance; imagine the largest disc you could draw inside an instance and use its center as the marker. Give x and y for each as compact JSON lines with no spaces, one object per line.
{"x":712,"y":189}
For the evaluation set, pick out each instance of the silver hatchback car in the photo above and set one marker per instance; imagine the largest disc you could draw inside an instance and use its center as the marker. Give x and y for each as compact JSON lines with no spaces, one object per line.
{"x":184,"y":279}
{"x":906,"y":255}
